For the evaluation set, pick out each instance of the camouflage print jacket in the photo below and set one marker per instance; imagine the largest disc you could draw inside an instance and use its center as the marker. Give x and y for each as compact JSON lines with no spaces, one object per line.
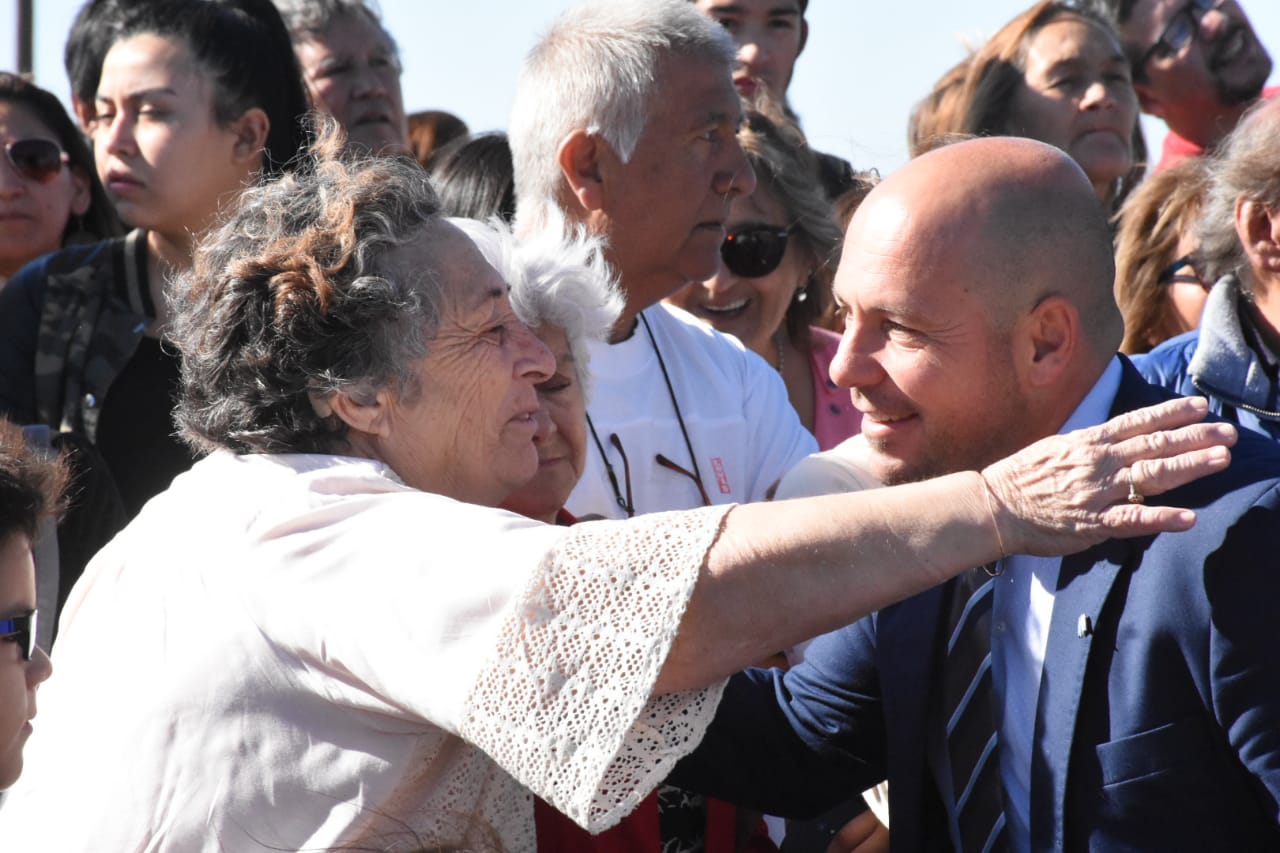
{"x":69,"y":323}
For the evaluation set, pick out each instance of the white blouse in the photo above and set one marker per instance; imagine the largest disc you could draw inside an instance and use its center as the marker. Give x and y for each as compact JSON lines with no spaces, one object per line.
{"x":301,"y":652}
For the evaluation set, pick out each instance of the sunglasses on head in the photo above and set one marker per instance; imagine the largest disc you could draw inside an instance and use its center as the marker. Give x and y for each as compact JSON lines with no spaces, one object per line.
{"x":20,"y":630}
{"x":755,"y":251}
{"x":38,"y":160}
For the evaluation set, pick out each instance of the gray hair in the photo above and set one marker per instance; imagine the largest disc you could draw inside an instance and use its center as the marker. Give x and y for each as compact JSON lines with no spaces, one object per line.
{"x":301,"y":294}
{"x":595,"y":70}
{"x":1244,"y":167}
{"x":555,"y":280}
{"x":309,"y":18}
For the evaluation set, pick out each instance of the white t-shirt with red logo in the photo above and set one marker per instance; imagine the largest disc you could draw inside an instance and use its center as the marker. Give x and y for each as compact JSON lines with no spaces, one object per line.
{"x":743,"y":431}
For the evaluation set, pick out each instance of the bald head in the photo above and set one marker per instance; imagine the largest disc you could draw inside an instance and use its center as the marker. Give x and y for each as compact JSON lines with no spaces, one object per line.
{"x":1021,"y":216}
{"x":977,"y":287}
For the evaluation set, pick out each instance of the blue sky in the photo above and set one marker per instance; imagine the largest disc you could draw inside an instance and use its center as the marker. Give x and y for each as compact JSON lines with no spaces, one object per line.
{"x":866,"y":63}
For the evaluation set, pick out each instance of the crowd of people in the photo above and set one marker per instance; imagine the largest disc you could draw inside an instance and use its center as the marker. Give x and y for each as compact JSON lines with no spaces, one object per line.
{"x":638,"y":478}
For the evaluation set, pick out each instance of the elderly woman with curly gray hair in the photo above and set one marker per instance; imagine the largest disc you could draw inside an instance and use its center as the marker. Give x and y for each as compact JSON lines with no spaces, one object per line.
{"x":325,"y":634}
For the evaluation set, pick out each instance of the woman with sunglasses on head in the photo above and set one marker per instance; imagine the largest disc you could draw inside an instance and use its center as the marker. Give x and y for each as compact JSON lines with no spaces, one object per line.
{"x":50,"y":195}
{"x":777,"y":260}
{"x":1159,"y":288}
{"x":196,"y":99}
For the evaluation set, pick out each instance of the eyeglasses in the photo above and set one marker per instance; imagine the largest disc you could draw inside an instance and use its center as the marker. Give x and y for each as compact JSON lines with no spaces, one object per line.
{"x":38,"y":160}
{"x":1171,"y":274}
{"x":627,"y":504}
{"x":754,"y":252}
{"x":1182,"y":28}
{"x":20,"y":630}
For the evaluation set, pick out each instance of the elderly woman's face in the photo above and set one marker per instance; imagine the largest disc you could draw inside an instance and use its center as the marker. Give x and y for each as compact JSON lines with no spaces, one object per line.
{"x":1077,"y":96}
{"x":562,"y":438}
{"x":352,"y":73}
{"x":467,"y":429}
{"x":34,"y":206}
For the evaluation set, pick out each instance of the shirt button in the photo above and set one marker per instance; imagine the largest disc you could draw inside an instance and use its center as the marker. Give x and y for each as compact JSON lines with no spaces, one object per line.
{"x":90,"y":401}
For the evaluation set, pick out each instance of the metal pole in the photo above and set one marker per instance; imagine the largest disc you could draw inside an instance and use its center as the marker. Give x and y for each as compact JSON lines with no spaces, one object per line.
{"x":25,"y":27}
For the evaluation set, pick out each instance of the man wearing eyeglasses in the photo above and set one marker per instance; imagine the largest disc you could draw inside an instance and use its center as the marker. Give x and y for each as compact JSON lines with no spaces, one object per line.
{"x":1124,"y":698}
{"x":1197,"y":64}
{"x":29,"y":490}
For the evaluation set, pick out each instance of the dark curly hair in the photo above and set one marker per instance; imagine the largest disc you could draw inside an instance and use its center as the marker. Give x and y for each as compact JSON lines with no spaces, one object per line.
{"x":300,"y":294}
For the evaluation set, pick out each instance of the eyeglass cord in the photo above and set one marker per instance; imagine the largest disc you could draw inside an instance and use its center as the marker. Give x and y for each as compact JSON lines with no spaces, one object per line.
{"x":626,"y":504}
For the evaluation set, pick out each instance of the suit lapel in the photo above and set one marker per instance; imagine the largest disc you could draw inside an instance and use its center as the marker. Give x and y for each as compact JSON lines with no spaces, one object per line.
{"x":1084,"y":584}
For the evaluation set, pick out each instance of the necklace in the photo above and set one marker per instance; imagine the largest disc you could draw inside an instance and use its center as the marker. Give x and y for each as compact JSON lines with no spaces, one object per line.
{"x":782,"y":351}
{"x":626,"y":503}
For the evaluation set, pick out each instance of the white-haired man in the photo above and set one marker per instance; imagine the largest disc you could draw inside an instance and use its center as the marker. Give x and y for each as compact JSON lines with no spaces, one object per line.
{"x":625,"y":124}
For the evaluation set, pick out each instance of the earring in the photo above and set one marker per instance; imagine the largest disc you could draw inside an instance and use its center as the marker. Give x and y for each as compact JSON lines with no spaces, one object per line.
{"x":802,"y":294}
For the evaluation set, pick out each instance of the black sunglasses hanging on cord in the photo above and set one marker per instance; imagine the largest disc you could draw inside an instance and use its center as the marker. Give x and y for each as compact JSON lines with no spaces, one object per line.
{"x":627,"y":504}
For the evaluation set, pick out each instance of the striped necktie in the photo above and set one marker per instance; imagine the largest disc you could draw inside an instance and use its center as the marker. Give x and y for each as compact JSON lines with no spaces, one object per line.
{"x":969,"y":715}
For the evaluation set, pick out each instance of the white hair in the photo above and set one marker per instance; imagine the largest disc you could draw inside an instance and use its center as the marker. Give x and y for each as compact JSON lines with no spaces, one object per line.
{"x":595,"y":70}
{"x":557,"y":277}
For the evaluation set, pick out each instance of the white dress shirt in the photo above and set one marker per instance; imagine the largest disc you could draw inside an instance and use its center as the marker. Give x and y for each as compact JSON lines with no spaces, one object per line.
{"x":1022,"y":610}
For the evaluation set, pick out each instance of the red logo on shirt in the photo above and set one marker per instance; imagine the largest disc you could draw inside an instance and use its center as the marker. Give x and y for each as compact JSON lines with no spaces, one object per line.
{"x":722,"y":479}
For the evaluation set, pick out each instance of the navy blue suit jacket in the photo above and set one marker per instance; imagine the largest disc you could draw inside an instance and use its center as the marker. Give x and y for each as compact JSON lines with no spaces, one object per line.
{"x":1159,"y":729}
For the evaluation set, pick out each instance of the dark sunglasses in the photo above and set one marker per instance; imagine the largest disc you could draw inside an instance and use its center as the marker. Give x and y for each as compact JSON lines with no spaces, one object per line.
{"x":754,"y":252}
{"x":1182,"y":28}
{"x":38,"y":160}
{"x":20,"y":630}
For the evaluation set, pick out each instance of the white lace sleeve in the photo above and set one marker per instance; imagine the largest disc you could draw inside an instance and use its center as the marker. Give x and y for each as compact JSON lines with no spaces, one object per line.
{"x":564,"y":705}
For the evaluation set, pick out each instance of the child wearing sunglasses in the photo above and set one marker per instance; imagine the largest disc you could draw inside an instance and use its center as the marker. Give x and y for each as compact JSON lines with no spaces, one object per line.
{"x":50,"y":195}
{"x":30,"y":489}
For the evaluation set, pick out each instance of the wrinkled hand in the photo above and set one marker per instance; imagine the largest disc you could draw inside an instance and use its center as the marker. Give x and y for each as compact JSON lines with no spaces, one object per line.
{"x":1066,"y":493}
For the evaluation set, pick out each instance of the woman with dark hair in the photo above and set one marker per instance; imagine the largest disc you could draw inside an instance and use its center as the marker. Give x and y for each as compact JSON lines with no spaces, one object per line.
{"x":774,"y":283}
{"x":196,"y":100}
{"x":328,"y":626}
{"x":1056,"y":73}
{"x":50,"y":195}
{"x":475,"y":177}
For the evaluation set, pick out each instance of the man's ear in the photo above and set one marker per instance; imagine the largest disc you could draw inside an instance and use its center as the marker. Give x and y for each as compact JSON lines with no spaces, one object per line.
{"x":1148,"y":102}
{"x":579,"y":156}
{"x":1259,"y":231}
{"x":1051,"y":334}
{"x":367,"y":414}
{"x":250,"y":130}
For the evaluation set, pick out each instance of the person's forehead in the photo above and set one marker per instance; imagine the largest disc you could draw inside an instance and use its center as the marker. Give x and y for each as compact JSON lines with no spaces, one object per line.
{"x":767,"y":7}
{"x":17,"y":121}
{"x":896,"y":258}
{"x":350,"y":31}
{"x":1148,"y":20}
{"x":693,"y":90}
{"x":17,"y":574}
